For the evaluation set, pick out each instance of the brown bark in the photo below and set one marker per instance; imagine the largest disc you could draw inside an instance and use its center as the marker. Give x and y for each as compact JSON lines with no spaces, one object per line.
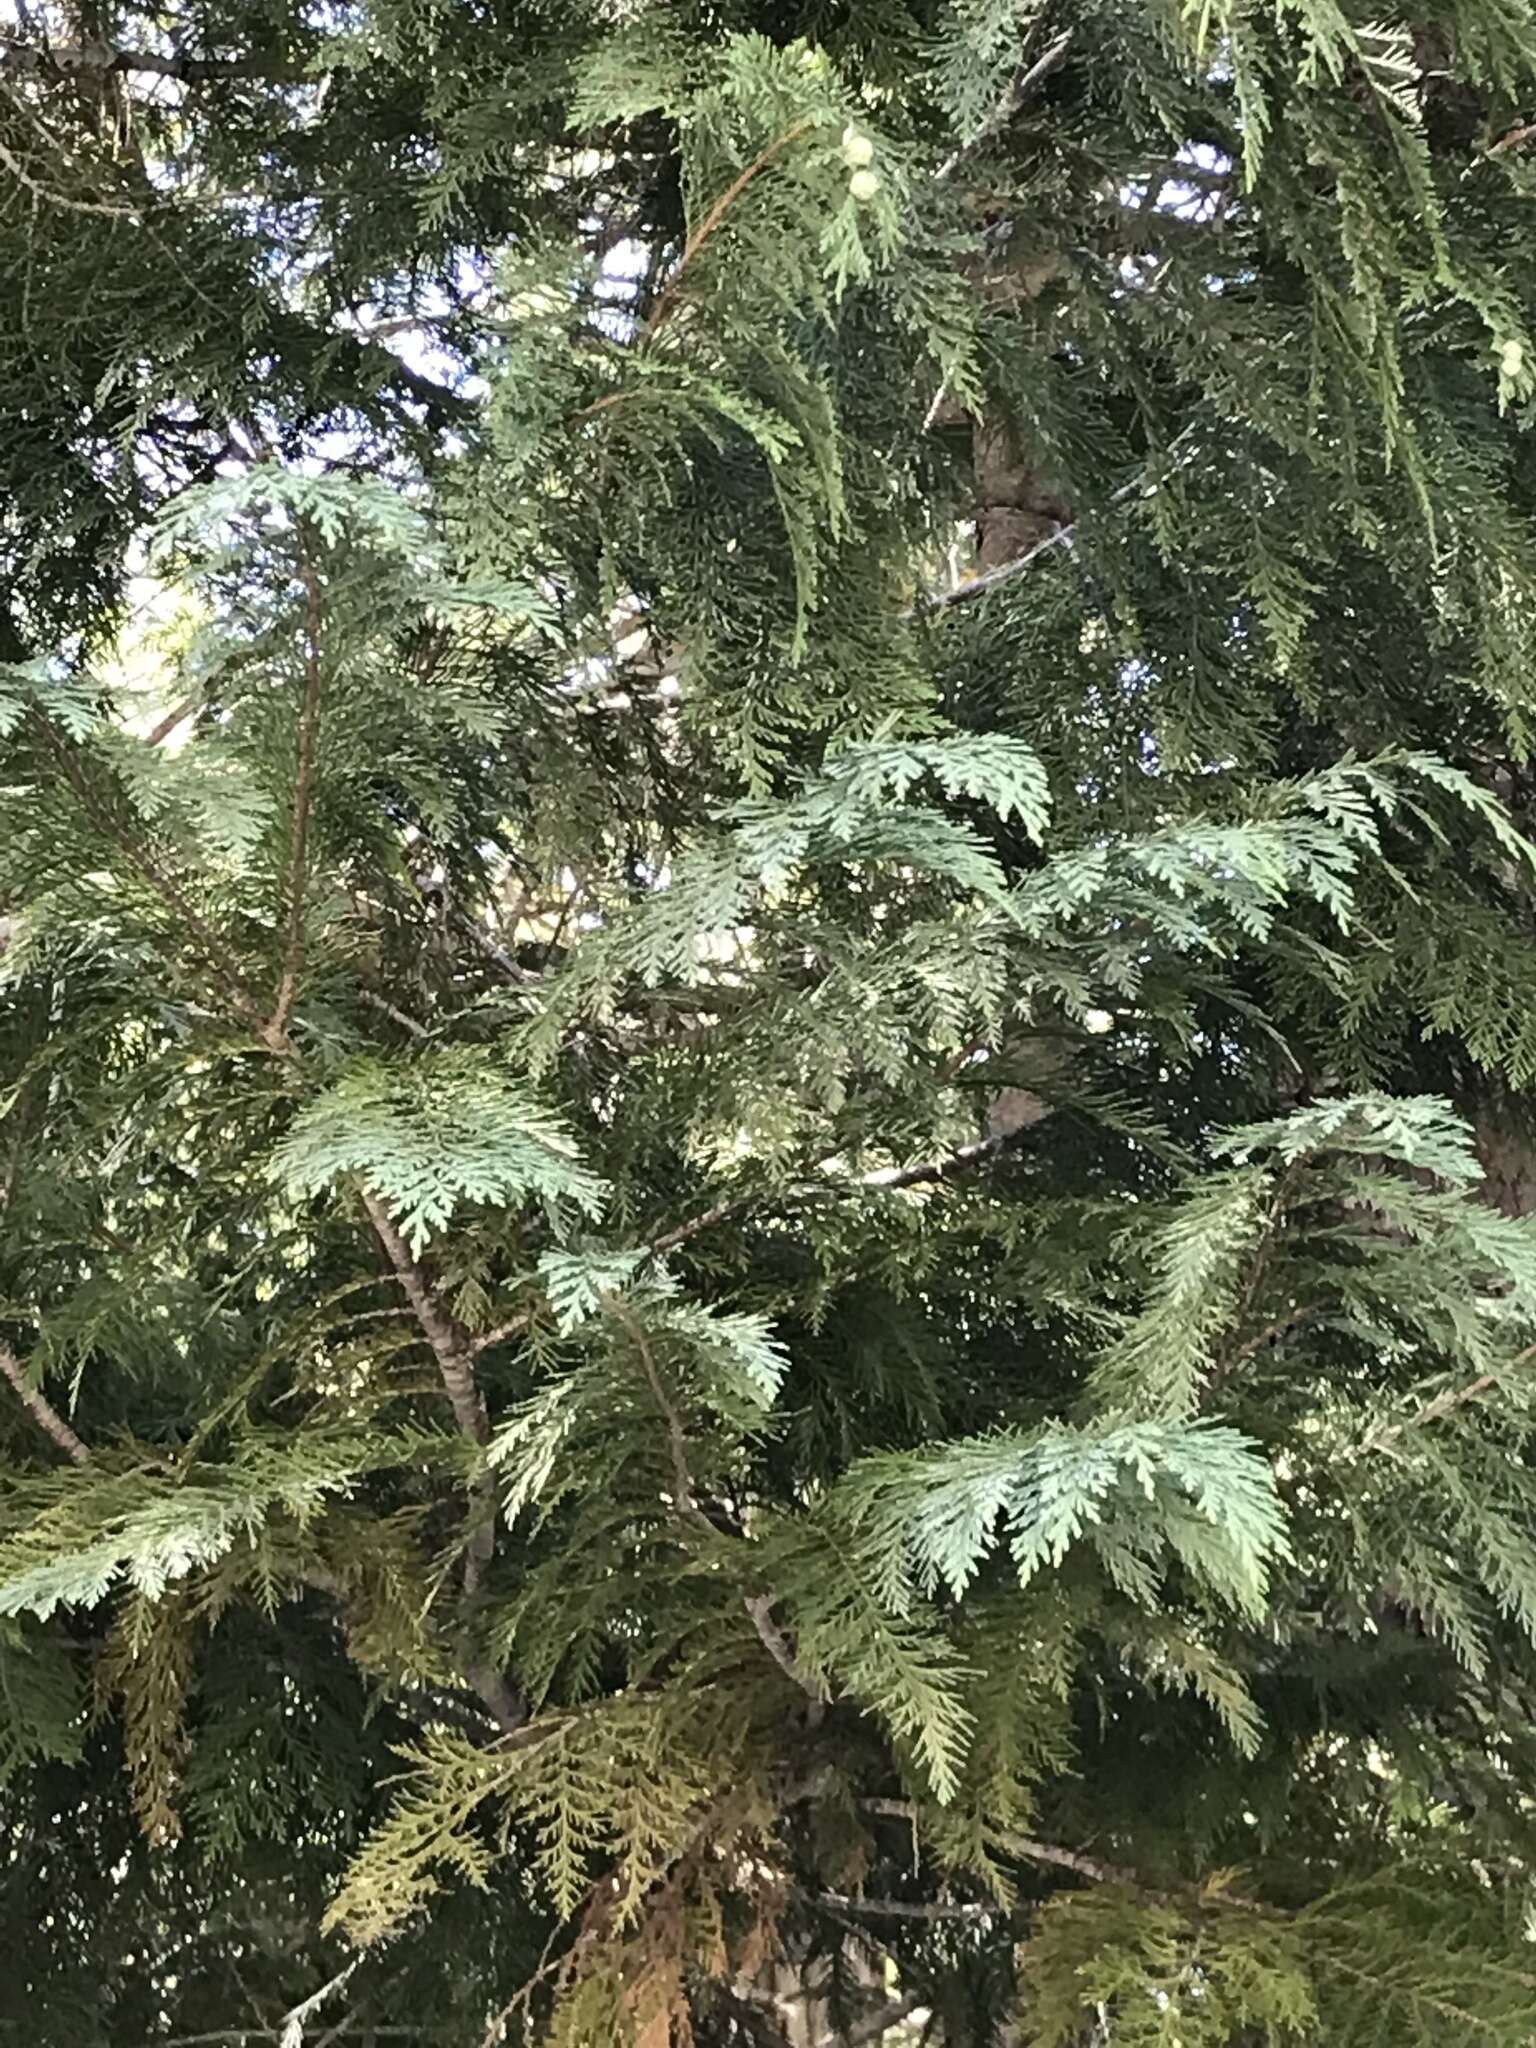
{"x":1506,"y":1143}
{"x":1015,"y":508}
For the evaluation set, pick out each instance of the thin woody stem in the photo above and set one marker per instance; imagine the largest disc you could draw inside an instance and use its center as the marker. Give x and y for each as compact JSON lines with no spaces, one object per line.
{"x":776,"y":1643}
{"x":1443,"y":1404}
{"x":177,"y":715}
{"x":711,"y":221}
{"x":303,"y":794}
{"x":677,"y":1440}
{"x":1033,"y":1851}
{"x":41,"y":1408}
{"x":449,"y":1342}
{"x":947,"y":1166}
{"x":908,"y":1909}
{"x":455,"y":1364}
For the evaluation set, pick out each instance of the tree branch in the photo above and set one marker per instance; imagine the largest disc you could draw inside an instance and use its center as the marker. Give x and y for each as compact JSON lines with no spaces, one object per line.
{"x":102,"y":208}
{"x":500,"y":1332}
{"x":496,"y":954}
{"x":948,"y":1166}
{"x":706,"y":1219}
{"x":455,"y":1364}
{"x":291,"y":2026}
{"x":1024,"y":83}
{"x":717,"y":213}
{"x":396,"y":1015}
{"x":1005,"y":572}
{"x":449,"y":1342}
{"x":215,"y":952}
{"x":1028,"y":1848}
{"x":41,"y":1408}
{"x":104,"y":60}
{"x":776,"y":1643}
{"x":303,"y":793}
{"x":177,"y":715}
{"x":876,"y":2025}
{"x":677,"y":1441}
{"x":907,"y":1909}
{"x":1443,"y":1403}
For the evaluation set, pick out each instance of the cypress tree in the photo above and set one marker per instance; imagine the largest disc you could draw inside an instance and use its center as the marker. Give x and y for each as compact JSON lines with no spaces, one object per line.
{"x":767,"y":1024}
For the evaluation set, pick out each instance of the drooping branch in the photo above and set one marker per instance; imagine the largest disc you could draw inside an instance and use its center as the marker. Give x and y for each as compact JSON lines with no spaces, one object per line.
{"x":42,"y":1410}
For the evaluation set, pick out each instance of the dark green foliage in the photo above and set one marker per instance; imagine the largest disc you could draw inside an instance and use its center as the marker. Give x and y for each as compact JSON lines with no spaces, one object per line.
{"x":746,"y":1296}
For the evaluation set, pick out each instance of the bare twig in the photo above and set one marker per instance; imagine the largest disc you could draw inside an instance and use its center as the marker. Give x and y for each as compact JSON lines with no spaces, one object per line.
{"x":705,"y":1220}
{"x":1005,"y":572}
{"x":240,"y":2037}
{"x":1513,"y":138}
{"x":398,"y":1016}
{"x":759,"y":1607}
{"x":947,"y":1166}
{"x":450,"y":1346}
{"x":303,"y":793}
{"x":41,"y":1408}
{"x":1023,"y":83}
{"x":1279,"y":1327}
{"x":496,"y":954}
{"x":1443,"y":1403}
{"x":500,"y":1332}
{"x":101,"y":208}
{"x":548,"y":1964}
{"x":291,"y":2033}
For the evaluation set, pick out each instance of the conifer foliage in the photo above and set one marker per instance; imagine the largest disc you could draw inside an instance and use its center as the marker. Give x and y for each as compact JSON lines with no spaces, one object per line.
{"x":765,"y":1020}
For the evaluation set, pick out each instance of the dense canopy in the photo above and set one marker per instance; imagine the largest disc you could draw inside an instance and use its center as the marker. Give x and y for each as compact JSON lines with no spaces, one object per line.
{"x":768,"y":1023}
